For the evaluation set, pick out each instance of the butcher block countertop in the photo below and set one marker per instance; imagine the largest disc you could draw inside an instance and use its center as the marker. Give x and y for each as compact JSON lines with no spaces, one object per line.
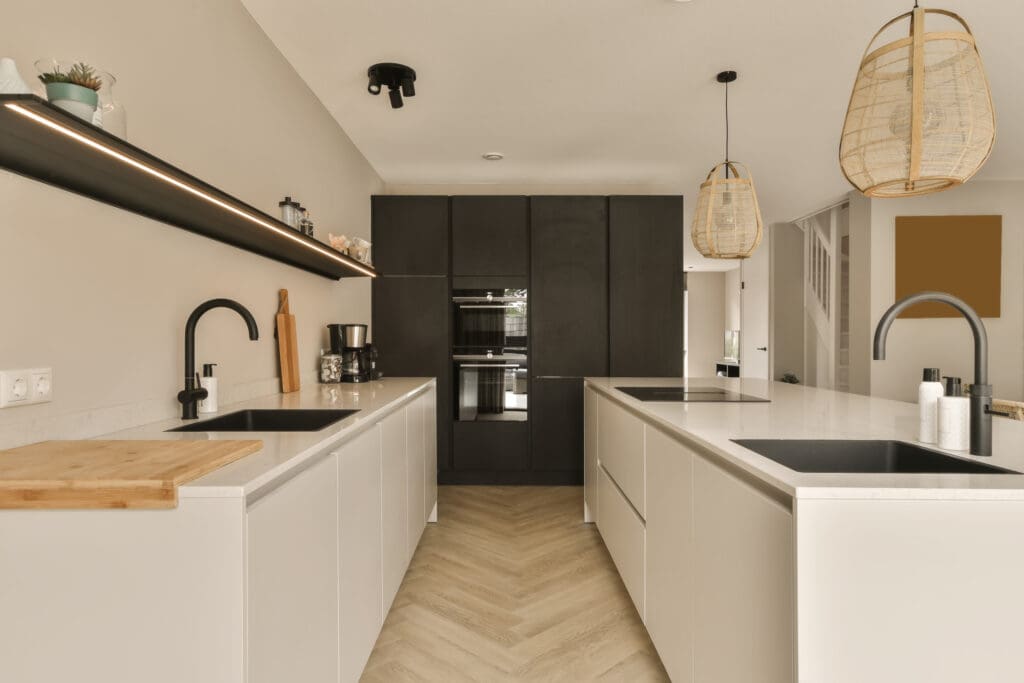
{"x":109,"y":474}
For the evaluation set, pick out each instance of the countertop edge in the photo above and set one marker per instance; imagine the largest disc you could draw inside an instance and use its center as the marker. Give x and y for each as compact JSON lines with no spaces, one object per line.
{"x":796,"y":491}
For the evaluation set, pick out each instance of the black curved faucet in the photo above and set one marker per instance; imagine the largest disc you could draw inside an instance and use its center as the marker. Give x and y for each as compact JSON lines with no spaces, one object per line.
{"x":981,"y":390}
{"x":193,"y":393}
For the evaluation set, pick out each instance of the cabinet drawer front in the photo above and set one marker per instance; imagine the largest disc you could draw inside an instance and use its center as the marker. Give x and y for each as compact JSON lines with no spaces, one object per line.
{"x":624,"y":536}
{"x":620,"y":448}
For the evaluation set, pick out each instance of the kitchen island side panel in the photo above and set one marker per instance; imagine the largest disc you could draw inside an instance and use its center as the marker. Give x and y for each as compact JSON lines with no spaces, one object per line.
{"x":891,"y":591}
{"x":123,"y":595}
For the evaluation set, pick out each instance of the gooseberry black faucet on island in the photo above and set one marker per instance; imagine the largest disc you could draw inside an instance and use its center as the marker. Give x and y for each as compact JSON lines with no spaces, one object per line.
{"x":981,"y":390}
{"x":192,"y":394}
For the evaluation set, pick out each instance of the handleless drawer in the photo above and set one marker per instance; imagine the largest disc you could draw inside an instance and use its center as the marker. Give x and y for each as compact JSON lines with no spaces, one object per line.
{"x":624,"y":535}
{"x":620,"y":449}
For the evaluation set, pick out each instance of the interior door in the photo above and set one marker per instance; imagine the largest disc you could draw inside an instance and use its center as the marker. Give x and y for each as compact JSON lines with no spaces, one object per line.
{"x":754,"y":315}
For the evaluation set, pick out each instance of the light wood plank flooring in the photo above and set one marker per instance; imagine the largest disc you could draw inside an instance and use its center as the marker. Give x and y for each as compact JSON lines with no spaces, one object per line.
{"x":512,"y":586}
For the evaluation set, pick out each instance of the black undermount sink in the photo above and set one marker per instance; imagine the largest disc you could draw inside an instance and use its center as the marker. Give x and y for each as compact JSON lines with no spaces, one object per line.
{"x":268,"y":421}
{"x":855,"y":456}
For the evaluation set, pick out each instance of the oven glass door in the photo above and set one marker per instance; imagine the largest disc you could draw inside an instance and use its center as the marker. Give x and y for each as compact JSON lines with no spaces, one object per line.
{"x":490,"y":320}
{"x":491,"y":390}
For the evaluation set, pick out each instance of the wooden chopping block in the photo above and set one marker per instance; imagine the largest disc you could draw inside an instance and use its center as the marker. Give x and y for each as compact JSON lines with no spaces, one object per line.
{"x":63,"y":475}
{"x":287,"y":346}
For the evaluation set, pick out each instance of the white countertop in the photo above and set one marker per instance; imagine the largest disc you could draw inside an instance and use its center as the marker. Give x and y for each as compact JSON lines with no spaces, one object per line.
{"x":799,"y":412}
{"x":285,"y":451}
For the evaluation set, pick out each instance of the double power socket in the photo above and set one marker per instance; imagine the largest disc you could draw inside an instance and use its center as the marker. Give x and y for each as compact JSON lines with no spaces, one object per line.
{"x":25,"y":387}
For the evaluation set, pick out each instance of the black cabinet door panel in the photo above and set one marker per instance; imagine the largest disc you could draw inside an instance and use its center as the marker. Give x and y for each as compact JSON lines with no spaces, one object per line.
{"x":491,"y":446}
{"x":410,"y":331}
{"x":556,"y":424}
{"x":410,"y":235}
{"x":569,"y":286}
{"x":490,"y":236}
{"x":645,"y":286}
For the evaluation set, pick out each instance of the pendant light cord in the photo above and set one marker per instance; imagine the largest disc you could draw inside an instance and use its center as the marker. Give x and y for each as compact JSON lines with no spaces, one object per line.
{"x":727,"y":130}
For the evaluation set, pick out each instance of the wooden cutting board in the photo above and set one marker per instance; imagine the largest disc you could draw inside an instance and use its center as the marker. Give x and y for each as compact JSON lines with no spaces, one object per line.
{"x":54,"y":475}
{"x":287,"y":346}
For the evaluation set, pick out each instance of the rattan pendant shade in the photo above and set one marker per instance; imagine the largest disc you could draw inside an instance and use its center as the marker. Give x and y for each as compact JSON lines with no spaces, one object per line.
{"x":920,"y":118}
{"x":727,"y":220}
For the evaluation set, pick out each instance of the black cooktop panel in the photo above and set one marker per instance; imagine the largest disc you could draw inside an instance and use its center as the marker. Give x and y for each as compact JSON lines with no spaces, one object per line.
{"x":689,"y":395}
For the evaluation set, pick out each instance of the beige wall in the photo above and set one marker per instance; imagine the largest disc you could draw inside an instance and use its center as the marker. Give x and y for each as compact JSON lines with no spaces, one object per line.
{"x":861,"y":322}
{"x":705,"y":322}
{"x":733,"y":317}
{"x":787,"y":274}
{"x":947,"y":343}
{"x":101,"y":295}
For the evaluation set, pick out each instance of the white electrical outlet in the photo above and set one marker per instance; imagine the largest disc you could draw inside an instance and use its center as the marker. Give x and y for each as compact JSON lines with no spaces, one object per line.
{"x":25,"y":387}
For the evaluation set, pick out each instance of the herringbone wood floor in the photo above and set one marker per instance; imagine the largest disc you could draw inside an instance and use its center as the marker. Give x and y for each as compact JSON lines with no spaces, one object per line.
{"x":510,"y":585}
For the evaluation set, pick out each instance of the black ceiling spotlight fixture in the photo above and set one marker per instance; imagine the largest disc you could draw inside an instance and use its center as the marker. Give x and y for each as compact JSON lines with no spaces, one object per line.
{"x":399,"y":78}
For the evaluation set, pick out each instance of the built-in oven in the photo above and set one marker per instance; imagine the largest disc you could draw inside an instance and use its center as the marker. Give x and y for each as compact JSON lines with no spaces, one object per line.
{"x":489,"y":320}
{"x":489,"y":354}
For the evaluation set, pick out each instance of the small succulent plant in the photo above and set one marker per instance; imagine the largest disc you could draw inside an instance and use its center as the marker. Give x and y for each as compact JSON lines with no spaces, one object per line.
{"x":55,"y":76}
{"x":80,"y":74}
{"x":84,"y":75}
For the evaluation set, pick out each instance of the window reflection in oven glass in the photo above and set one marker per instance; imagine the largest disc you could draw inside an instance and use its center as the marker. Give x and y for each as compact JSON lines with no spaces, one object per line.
{"x":491,"y":392}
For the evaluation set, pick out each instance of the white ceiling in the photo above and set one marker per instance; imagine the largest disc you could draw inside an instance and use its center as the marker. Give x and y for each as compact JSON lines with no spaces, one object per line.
{"x":617,"y":92}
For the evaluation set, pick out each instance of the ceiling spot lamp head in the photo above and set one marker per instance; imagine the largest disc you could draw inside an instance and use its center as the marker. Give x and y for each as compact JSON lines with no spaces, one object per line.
{"x":399,"y":79}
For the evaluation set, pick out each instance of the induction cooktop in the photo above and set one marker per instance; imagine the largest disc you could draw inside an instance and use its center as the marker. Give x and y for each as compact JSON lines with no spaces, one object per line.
{"x":690,"y":395}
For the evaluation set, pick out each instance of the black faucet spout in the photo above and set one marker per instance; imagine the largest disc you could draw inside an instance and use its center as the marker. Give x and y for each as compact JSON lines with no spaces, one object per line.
{"x":981,"y":390}
{"x":192,"y":393}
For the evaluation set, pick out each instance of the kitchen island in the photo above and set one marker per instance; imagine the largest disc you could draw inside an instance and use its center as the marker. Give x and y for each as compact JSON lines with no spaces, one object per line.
{"x":745,"y":570}
{"x":279,"y":566}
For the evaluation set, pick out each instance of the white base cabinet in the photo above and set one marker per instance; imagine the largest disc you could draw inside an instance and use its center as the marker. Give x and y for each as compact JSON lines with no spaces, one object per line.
{"x":360,"y":550}
{"x":394,"y":504}
{"x":670,"y":554}
{"x":706,"y":555}
{"x":292,"y":538}
{"x":590,"y":503}
{"x":623,"y":532}
{"x":288,"y":583}
{"x":327,"y":551}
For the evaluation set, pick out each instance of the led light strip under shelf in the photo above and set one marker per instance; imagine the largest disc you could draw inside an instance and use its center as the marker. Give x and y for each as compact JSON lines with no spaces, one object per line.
{"x":285,"y":232}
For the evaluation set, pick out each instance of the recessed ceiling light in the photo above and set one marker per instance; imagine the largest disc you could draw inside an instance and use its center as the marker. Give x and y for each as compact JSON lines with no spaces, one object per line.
{"x":493,"y":156}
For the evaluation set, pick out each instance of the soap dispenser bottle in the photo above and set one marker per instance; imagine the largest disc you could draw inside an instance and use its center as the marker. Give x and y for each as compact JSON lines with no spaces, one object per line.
{"x":954,"y":417}
{"x":208,"y":382}
{"x":928,"y":393}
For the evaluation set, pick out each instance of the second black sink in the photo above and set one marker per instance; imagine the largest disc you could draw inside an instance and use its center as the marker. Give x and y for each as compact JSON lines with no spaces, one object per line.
{"x":856,"y":456}
{"x":268,"y":421}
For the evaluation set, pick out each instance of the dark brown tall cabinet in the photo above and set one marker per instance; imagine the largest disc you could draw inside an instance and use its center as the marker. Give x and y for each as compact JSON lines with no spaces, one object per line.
{"x":604,"y":277}
{"x":569,"y":325}
{"x":645,"y":282}
{"x":411,"y":297}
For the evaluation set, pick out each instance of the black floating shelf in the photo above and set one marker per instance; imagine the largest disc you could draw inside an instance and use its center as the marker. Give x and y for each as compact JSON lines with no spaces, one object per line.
{"x":43,"y":142}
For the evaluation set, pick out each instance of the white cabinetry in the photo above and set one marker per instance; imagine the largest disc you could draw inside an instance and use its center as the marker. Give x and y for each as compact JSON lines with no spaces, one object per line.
{"x":328,"y":549}
{"x":743,"y":581}
{"x":623,"y":534}
{"x":292,"y":567}
{"x":706,"y":554}
{"x":590,"y":503}
{"x":361,"y":574}
{"x":394,"y":503}
{"x":670,"y":553}
{"x":417,"y":459}
{"x":620,"y":449}
{"x":429,"y":402}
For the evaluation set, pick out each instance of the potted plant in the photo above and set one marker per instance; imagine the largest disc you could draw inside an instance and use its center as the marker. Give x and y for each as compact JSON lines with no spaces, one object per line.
{"x":74,"y":89}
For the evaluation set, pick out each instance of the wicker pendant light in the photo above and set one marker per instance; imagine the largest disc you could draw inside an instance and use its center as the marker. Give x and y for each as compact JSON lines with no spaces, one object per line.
{"x":727,"y":220}
{"x":920,"y":118}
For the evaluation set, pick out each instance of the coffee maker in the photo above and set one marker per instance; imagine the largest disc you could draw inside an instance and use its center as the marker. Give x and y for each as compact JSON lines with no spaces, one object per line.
{"x":349,"y":342}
